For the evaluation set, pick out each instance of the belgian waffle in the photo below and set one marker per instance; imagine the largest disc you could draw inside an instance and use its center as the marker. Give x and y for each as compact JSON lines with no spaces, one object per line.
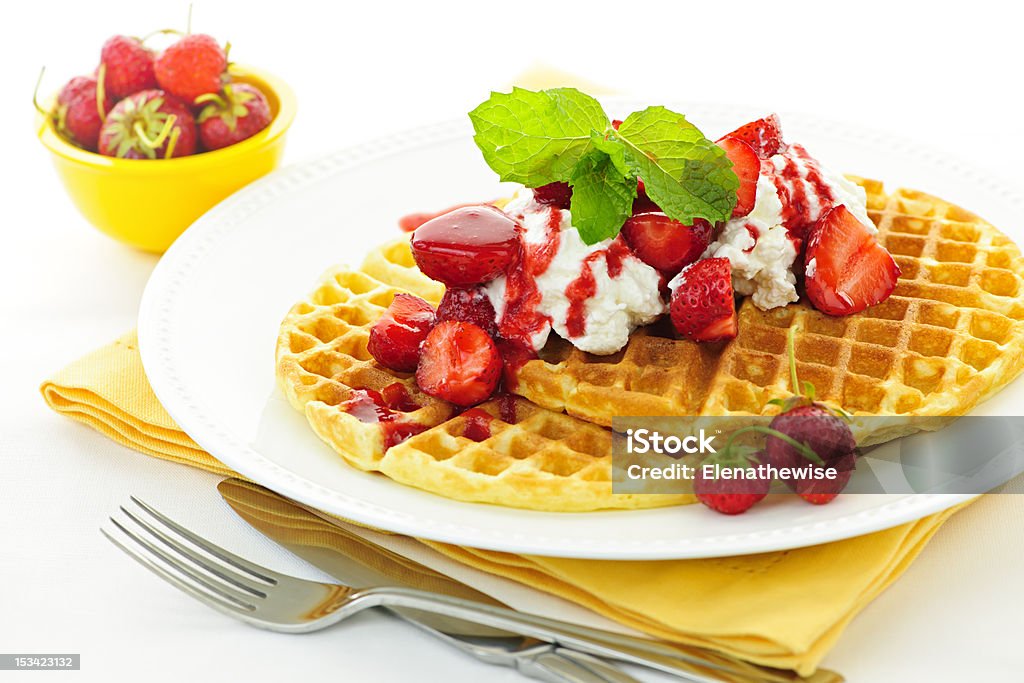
{"x":950,"y":336}
{"x":534,"y":458}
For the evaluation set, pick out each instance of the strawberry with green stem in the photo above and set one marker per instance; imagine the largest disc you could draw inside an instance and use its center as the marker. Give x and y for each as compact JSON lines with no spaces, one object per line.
{"x":731,"y":496}
{"x":236,"y":113}
{"x":151,"y":124}
{"x":813,"y":432}
{"x":80,"y":109}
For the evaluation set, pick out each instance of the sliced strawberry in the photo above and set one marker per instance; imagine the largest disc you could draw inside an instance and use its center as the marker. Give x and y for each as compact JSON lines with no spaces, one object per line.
{"x":459,"y":363}
{"x":702,"y":308}
{"x":764,"y":136}
{"x":554,"y":194}
{"x":846,"y":269}
{"x":663,"y":243}
{"x":468,"y":305}
{"x":747,"y":167}
{"x":465,"y":247}
{"x":396,"y":337}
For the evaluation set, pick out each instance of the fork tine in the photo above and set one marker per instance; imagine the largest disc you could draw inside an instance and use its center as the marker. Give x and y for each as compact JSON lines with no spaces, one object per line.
{"x":198,"y":560}
{"x":255,"y":571}
{"x":199,"y":590}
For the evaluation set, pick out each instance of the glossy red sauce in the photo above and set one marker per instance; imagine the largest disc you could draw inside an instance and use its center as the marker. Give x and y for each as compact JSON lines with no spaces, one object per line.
{"x":803,"y":191}
{"x":507,"y":408}
{"x":521,"y":320}
{"x":410,"y":222}
{"x":397,"y":397}
{"x":514,"y":355}
{"x":753,"y":235}
{"x":585,"y":285}
{"x":369,"y":406}
{"x":478,"y":425}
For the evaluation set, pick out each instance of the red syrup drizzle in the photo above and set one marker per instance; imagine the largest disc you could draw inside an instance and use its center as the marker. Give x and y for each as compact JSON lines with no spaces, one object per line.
{"x":797,"y":212}
{"x":386,"y":409}
{"x":507,"y":410}
{"x":585,"y":285}
{"x":520,"y":320}
{"x":753,"y":235}
{"x":514,"y":355}
{"x":409,"y":222}
{"x":478,"y":425}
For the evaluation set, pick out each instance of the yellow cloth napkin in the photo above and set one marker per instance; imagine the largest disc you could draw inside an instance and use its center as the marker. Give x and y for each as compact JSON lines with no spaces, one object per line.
{"x":783,"y":609}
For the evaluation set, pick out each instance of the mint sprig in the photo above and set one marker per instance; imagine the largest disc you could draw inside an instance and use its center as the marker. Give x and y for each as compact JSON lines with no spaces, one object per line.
{"x":536,"y":138}
{"x":602,"y":197}
{"x":563,"y":135}
{"x":685,"y":174}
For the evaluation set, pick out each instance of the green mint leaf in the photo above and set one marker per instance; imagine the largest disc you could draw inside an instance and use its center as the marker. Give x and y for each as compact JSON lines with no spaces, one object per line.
{"x":535,"y":138}
{"x":685,"y":174}
{"x":602,"y":197}
{"x":614,"y":149}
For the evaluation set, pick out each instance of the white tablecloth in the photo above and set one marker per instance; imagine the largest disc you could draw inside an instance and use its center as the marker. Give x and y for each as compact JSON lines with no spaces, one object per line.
{"x":65,"y":289}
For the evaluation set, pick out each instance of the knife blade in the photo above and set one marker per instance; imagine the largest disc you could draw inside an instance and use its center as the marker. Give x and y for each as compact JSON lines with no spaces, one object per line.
{"x":356,"y":561}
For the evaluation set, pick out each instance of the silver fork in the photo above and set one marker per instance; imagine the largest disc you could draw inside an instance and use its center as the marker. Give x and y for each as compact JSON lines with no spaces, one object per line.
{"x":277,"y":602}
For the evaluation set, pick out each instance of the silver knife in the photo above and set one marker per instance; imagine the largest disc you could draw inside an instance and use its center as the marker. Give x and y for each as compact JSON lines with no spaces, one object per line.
{"x":366,"y":564}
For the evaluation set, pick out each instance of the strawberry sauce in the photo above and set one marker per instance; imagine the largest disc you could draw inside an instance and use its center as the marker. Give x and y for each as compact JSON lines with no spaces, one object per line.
{"x":410,"y":222}
{"x":507,"y":408}
{"x":386,"y":409}
{"x":585,"y":285}
{"x":478,"y":425}
{"x":521,"y":320}
{"x":802,"y":189}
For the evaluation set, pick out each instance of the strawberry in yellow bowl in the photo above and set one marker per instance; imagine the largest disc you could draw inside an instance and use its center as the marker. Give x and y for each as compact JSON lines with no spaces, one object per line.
{"x":151,"y":141}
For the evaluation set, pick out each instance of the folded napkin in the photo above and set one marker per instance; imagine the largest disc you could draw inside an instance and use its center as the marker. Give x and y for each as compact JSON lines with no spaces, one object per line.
{"x":783,"y":609}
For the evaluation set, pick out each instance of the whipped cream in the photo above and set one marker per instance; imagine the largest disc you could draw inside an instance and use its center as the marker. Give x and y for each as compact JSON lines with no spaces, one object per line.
{"x":760,"y":251}
{"x":622,"y":300}
{"x":759,"y":245}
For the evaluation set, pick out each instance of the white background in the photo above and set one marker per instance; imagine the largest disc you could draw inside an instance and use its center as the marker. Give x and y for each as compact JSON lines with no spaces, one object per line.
{"x":944,"y":77}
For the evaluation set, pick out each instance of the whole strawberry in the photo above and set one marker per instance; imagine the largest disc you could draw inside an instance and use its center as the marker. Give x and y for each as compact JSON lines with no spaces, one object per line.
{"x":141,"y":127}
{"x":830,"y":439}
{"x":237,"y":113}
{"x":191,"y":67}
{"x":127,"y":65}
{"x":730,"y":496}
{"x":78,"y":114}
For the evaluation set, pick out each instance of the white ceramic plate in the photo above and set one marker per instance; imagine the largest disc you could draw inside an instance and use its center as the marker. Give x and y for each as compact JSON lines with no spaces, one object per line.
{"x":210,"y":316}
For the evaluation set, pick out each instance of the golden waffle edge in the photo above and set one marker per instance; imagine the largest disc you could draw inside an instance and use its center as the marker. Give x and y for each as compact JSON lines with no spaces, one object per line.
{"x":950,"y":336}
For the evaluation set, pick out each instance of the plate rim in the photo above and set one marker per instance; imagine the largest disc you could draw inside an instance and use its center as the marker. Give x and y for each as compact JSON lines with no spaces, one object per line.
{"x":157,"y":308}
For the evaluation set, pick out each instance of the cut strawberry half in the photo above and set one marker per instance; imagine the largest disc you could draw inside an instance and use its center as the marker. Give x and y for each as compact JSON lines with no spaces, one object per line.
{"x":764,"y":136}
{"x":396,"y":337}
{"x":465,"y":247}
{"x":702,"y":307}
{"x":558,"y":195}
{"x":665,"y":244}
{"x":468,"y":305}
{"x":846,"y":269}
{"x":459,"y":363}
{"x":747,"y":167}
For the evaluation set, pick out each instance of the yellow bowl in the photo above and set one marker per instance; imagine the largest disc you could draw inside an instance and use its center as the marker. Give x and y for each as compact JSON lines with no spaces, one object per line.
{"x":148,"y":203}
